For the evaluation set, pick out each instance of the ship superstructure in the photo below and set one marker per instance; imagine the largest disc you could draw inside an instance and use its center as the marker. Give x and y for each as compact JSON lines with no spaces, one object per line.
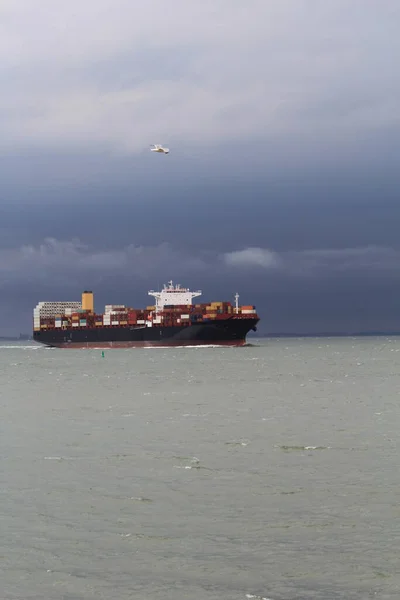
{"x":173,"y":296}
{"x":172,"y":320}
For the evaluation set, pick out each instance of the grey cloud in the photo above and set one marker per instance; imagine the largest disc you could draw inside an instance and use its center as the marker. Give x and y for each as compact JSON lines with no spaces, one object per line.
{"x":118,"y":75}
{"x":259,"y":257}
{"x":57,"y":260}
{"x":318,"y":262}
{"x":282,"y":121}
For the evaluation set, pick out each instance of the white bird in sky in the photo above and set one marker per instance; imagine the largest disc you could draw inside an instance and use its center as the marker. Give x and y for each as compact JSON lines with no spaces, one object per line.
{"x":159,"y":148}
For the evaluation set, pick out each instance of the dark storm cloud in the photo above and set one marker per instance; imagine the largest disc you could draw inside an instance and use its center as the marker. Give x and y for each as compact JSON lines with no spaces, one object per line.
{"x":282,"y":181}
{"x":310,"y":263}
{"x":126,"y":273}
{"x":318,"y":263}
{"x":55,"y":258}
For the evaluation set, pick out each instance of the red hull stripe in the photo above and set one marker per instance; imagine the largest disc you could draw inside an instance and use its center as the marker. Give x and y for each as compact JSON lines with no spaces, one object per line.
{"x":116,"y":345}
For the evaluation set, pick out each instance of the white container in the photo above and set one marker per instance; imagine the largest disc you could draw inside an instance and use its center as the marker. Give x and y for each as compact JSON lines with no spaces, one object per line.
{"x":114,"y":323}
{"x":75,"y":324}
{"x":109,"y":308}
{"x":184,"y":316}
{"x":141,"y":322}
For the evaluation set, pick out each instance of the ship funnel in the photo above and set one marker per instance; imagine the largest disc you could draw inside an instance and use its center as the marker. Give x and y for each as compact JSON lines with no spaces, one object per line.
{"x":87,"y":301}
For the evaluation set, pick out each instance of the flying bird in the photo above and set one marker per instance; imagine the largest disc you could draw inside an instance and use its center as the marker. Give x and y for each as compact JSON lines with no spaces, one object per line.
{"x":159,"y":148}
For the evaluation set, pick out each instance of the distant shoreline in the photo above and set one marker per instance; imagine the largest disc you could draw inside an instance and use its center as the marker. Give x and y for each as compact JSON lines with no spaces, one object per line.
{"x":328,"y":334}
{"x":20,"y":338}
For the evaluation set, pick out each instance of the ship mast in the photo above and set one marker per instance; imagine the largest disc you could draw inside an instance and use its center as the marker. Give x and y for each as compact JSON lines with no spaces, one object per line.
{"x":237,"y":302}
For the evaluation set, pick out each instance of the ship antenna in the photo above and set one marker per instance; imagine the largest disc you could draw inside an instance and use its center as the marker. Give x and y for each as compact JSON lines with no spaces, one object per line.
{"x":237,"y":302}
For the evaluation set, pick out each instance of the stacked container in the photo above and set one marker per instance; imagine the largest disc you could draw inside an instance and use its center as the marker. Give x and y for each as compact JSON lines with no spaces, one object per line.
{"x":248,"y":310}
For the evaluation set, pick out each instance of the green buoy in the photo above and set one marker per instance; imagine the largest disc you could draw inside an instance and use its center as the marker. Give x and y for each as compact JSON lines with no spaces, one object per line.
{"x":102,"y":353}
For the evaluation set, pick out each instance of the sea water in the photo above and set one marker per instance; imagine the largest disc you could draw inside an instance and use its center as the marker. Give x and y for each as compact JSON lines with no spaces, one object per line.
{"x":270,"y":471}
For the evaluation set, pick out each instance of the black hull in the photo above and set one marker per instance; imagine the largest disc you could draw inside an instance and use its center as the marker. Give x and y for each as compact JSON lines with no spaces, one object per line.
{"x":229,"y":332}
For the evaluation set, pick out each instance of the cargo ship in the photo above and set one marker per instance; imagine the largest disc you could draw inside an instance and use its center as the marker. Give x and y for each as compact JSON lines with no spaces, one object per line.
{"x":173,"y":320}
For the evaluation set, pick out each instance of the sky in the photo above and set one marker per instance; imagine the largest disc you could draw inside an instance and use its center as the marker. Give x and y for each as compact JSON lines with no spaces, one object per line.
{"x":282,"y":181}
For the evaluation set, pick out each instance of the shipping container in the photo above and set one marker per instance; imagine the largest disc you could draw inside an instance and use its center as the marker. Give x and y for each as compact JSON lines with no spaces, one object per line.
{"x":114,"y":307}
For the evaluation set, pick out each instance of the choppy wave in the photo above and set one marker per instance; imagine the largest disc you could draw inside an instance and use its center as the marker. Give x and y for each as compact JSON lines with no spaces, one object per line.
{"x":194,"y":347}
{"x":300,"y":448}
{"x":19,"y":347}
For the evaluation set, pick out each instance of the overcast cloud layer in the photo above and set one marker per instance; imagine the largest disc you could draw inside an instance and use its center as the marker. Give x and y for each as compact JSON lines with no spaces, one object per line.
{"x":79,"y":261}
{"x":121,"y":73}
{"x":282,"y":181}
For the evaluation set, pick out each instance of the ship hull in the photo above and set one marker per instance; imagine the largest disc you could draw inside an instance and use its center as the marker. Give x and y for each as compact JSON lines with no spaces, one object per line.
{"x":226,"y":332}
